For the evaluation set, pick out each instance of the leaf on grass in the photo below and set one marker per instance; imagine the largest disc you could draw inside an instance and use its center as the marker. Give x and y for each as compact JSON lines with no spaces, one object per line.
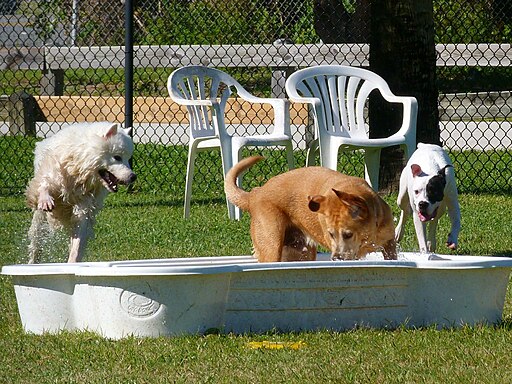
{"x":276,"y":345}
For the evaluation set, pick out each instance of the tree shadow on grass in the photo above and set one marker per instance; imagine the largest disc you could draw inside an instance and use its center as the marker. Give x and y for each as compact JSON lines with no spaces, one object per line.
{"x":505,"y":324}
{"x":503,"y":254}
{"x":161,"y":201}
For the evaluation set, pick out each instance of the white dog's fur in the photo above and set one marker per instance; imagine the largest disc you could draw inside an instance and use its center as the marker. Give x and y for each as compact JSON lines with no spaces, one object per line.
{"x":427,"y":189}
{"x":74,"y":170}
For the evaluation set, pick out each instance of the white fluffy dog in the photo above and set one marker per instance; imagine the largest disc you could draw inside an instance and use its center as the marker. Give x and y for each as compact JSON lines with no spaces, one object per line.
{"x":74,"y":170}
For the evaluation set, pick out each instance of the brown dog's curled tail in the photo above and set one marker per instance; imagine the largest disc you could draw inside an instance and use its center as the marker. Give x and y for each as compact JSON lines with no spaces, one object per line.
{"x":234,"y":193}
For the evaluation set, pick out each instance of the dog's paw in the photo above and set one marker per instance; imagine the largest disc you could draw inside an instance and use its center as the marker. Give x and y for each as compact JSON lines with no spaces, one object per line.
{"x":45,"y":203}
{"x":451,"y":242}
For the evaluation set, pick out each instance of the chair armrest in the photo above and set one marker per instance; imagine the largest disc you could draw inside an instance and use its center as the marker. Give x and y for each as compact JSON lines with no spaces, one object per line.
{"x":275,"y":102}
{"x":281,"y":109}
{"x":410,"y":106}
{"x":188,"y":102}
{"x":294,"y":96}
{"x":410,"y":113}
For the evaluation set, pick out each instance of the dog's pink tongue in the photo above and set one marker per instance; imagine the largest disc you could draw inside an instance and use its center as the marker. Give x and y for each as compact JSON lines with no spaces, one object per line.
{"x":427,"y":217}
{"x":422,"y":217}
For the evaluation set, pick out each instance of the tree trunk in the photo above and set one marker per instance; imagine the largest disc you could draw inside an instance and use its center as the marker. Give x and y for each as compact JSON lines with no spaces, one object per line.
{"x":402,"y":51}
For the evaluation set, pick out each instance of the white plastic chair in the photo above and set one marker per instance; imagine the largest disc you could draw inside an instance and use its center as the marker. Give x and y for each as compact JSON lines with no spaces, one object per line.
{"x":205,"y":92}
{"x":338,"y":95}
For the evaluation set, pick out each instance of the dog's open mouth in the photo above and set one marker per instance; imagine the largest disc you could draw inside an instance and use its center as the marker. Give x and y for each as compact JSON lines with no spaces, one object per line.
{"x":109,"y":180}
{"x":424,"y":216}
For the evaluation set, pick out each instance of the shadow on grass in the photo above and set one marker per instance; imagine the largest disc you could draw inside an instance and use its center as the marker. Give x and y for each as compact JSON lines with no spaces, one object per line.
{"x":145,"y":200}
{"x":506,"y":324}
{"x":503,"y":254}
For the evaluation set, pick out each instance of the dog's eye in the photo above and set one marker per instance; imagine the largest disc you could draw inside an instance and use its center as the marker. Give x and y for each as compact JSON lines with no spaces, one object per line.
{"x":416,"y":191}
{"x":118,"y":158}
{"x":347,"y":234}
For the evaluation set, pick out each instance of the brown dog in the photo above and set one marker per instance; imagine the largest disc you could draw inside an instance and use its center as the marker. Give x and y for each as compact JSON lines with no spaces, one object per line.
{"x":298,"y":209}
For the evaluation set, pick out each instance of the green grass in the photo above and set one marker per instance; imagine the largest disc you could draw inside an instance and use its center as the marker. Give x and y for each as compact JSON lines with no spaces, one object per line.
{"x":162,"y":168}
{"x":141,"y":225}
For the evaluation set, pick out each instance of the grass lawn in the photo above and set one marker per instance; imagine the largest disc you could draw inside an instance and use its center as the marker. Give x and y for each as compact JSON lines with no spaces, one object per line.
{"x":140,"y":226}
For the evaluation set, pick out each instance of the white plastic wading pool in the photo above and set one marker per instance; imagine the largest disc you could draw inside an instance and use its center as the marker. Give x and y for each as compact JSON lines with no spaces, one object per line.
{"x":167,"y":297}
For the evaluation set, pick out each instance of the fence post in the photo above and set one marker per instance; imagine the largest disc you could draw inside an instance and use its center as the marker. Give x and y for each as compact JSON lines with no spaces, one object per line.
{"x":280,"y":74}
{"x":52,"y":82}
{"x":22,"y":114}
{"x":128,"y":71}
{"x":128,"y":64}
{"x":278,"y":86}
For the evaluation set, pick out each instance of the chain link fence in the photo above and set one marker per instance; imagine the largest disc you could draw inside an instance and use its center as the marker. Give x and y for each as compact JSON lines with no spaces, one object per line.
{"x":62,"y":61}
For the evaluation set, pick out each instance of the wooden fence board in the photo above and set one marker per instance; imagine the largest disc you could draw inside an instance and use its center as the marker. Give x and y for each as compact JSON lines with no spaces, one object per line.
{"x":152,"y":110}
{"x":246,"y":55}
{"x":261,"y":55}
{"x":485,"y":105}
{"x":249,"y":55}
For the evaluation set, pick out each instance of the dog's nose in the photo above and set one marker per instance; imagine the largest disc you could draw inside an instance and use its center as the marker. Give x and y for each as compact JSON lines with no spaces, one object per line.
{"x":132,"y":178}
{"x":423,"y":205}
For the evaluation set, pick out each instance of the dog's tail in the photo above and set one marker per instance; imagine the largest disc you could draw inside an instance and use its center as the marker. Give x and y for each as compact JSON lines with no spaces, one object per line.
{"x":234,"y":193}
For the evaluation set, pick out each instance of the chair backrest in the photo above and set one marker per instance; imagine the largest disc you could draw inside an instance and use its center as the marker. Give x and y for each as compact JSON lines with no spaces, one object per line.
{"x":339,"y":95}
{"x":193,"y":83}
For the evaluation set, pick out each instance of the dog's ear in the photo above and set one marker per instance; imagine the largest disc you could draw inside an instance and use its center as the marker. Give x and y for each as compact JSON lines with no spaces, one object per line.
{"x":128,"y":131}
{"x":357,"y":205}
{"x":112,"y":131}
{"x":315,"y":203}
{"x":416,"y":170}
{"x":435,"y":187}
{"x":442,"y":171}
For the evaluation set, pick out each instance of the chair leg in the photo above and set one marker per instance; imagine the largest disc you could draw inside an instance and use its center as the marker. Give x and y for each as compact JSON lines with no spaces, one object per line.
{"x":371,"y":167}
{"x":329,"y":157}
{"x":408,"y":149}
{"x":236,"y":212}
{"x":311,"y":153}
{"x":289,"y":156}
{"x":227,"y":163}
{"x":192,"y":154}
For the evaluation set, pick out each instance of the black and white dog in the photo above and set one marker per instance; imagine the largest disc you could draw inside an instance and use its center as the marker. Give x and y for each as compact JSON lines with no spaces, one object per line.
{"x":427,"y":190}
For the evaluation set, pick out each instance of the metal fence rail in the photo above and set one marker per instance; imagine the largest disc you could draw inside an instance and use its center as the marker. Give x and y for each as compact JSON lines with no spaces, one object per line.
{"x":63,"y":61}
